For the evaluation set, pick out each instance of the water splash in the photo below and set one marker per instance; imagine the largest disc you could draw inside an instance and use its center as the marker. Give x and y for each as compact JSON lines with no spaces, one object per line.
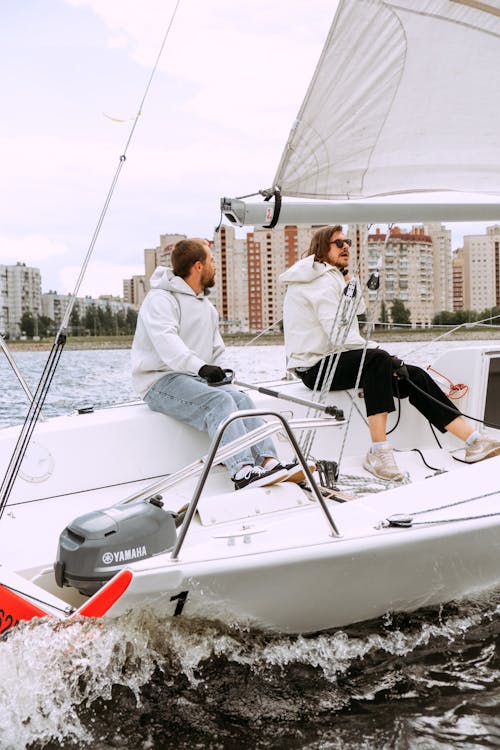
{"x":79,"y":683}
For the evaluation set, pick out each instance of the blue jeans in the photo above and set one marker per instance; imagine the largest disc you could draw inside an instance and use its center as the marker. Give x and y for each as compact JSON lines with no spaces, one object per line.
{"x":189,"y":399}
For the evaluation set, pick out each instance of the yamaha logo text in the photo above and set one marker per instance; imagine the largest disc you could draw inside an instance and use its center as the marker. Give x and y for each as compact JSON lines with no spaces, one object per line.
{"x":124,"y":555}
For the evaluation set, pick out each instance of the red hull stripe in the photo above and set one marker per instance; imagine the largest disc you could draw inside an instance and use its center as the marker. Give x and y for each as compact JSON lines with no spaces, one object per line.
{"x":104,"y":599}
{"x":14,"y":608}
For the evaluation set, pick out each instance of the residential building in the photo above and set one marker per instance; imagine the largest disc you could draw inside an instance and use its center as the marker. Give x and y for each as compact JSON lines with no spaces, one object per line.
{"x":269,"y":253}
{"x":20,"y":292}
{"x":160,"y":256}
{"x":458,"y":279}
{"x":442,"y":266}
{"x":134,"y":290}
{"x":54,"y":306}
{"x":407,"y":271}
{"x":481,"y":270}
{"x":231,"y":280}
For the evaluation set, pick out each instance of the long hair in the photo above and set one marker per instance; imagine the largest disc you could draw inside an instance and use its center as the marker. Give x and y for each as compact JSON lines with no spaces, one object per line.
{"x":320,"y":243}
{"x":185,"y":254}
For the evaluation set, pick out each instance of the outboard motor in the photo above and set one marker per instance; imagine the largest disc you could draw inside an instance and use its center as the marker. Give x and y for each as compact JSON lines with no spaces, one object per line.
{"x":97,"y":545}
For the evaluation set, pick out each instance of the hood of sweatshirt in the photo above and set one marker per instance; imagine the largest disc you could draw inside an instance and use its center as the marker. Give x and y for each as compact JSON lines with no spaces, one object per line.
{"x":163,"y":278}
{"x":305,"y":271}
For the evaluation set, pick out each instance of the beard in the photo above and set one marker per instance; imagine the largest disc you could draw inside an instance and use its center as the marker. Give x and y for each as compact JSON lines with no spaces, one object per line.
{"x":208,"y":281}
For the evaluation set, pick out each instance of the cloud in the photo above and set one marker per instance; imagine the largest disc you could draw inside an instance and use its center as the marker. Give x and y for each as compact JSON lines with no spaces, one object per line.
{"x":34,"y":247}
{"x":240,"y":64}
{"x":101,"y":278}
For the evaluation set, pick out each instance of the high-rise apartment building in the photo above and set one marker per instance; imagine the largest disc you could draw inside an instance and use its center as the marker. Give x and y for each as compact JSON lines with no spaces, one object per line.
{"x":231,"y":280}
{"x":417,"y":268}
{"x":20,"y":292}
{"x":442,"y":265}
{"x":134,"y":290}
{"x":270,"y":252}
{"x":159,"y":256}
{"x":407,"y":271}
{"x":481,"y":269}
{"x":458,"y":279}
{"x":359,"y":257}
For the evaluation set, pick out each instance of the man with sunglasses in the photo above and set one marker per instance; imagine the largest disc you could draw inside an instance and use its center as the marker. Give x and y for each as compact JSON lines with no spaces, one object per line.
{"x":319,"y":338}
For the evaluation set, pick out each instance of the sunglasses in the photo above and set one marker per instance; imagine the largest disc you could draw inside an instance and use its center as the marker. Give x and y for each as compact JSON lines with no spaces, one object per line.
{"x":340,"y":243}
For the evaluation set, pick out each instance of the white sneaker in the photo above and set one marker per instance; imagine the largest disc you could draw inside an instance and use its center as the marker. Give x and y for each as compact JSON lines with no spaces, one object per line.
{"x":483,"y":447}
{"x":382,"y":465}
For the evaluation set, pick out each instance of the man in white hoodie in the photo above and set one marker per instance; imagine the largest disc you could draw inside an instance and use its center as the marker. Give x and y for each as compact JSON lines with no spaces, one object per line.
{"x":317,"y":337}
{"x":175,"y":354}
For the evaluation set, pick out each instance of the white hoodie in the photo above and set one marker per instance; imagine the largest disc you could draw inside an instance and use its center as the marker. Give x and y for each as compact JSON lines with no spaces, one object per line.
{"x":177,"y":331}
{"x":314,"y":293}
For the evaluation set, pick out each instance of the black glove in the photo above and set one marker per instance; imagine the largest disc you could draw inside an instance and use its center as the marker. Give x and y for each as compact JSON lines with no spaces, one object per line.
{"x":399,"y":369}
{"x":212,"y":373}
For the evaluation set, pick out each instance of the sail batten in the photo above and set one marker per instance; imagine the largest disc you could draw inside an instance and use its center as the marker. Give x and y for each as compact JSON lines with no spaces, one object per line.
{"x":403,"y":100}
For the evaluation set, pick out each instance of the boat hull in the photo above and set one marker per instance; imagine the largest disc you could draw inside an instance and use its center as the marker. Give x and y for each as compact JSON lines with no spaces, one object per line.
{"x":268,"y":557}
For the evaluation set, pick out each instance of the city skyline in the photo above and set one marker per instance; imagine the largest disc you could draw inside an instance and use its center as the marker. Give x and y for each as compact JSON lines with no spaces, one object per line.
{"x":417,"y":269}
{"x":242,"y":247}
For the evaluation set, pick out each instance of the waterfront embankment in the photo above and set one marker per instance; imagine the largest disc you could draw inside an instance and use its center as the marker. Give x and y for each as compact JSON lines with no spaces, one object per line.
{"x":471,"y":333}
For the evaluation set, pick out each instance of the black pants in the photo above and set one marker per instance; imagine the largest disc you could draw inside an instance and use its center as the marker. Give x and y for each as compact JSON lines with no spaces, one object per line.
{"x":380,"y":385}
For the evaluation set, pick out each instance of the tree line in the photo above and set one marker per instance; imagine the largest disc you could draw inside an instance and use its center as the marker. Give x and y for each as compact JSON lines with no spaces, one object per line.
{"x":102,"y":321}
{"x":97,"y":321}
{"x":446,"y":318}
{"x":401,"y":315}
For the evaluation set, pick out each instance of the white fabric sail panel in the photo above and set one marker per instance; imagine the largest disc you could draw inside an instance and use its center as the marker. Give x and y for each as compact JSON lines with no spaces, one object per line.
{"x":405,"y":98}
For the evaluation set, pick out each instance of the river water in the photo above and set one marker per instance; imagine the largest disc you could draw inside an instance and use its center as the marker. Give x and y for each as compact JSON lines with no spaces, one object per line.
{"x":429,"y":680}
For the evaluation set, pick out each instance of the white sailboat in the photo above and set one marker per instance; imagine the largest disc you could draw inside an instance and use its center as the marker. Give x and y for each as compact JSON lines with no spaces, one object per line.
{"x":120,"y":508}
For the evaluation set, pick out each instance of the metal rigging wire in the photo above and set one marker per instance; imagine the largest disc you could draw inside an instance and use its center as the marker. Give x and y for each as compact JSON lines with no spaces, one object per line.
{"x":60,"y":338}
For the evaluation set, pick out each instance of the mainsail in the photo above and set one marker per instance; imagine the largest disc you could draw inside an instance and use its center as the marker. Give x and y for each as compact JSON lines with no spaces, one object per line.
{"x":405,"y":98}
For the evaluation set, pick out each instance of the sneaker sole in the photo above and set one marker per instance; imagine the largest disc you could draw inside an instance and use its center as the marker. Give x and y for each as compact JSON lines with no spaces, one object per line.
{"x":494,"y":452}
{"x":297,"y":474}
{"x":397,"y":478}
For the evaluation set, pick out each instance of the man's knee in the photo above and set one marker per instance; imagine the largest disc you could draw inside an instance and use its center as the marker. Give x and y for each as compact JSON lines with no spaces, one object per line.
{"x":242,"y":400}
{"x":223,"y":402}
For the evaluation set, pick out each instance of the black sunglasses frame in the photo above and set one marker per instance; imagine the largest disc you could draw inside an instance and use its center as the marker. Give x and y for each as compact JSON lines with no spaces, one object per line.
{"x":340,"y":243}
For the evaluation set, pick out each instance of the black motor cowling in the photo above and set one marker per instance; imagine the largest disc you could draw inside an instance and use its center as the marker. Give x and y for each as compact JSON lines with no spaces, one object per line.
{"x":95,"y":546}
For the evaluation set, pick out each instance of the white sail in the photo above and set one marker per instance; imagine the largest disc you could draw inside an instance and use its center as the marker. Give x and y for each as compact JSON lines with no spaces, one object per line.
{"x":405,"y":98}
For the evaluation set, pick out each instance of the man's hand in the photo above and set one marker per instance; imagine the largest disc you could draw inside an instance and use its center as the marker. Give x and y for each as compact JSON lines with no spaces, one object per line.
{"x":211,"y":373}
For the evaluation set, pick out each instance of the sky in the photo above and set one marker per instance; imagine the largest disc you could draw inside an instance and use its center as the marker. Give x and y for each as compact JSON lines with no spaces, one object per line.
{"x":229,"y":84}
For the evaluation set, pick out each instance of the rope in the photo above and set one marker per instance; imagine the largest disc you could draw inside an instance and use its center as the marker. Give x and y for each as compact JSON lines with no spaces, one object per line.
{"x":453,"y":520}
{"x":452,"y":409}
{"x":453,"y":505}
{"x":121,"y":162}
{"x":375,"y":285}
{"x":30,"y":421}
{"x":448,"y":333}
{"x":456,"y":390}
{"x":262,"y":333}
{"x":372,"y":284}
{"x":406,"y":520}
{"x":346,"y":311}
{"x":60,"y":338}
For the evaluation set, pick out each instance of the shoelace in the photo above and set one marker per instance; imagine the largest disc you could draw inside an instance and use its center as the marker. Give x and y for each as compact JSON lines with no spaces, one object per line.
{"x":386,"y":457}
{"x":252,"y":471}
